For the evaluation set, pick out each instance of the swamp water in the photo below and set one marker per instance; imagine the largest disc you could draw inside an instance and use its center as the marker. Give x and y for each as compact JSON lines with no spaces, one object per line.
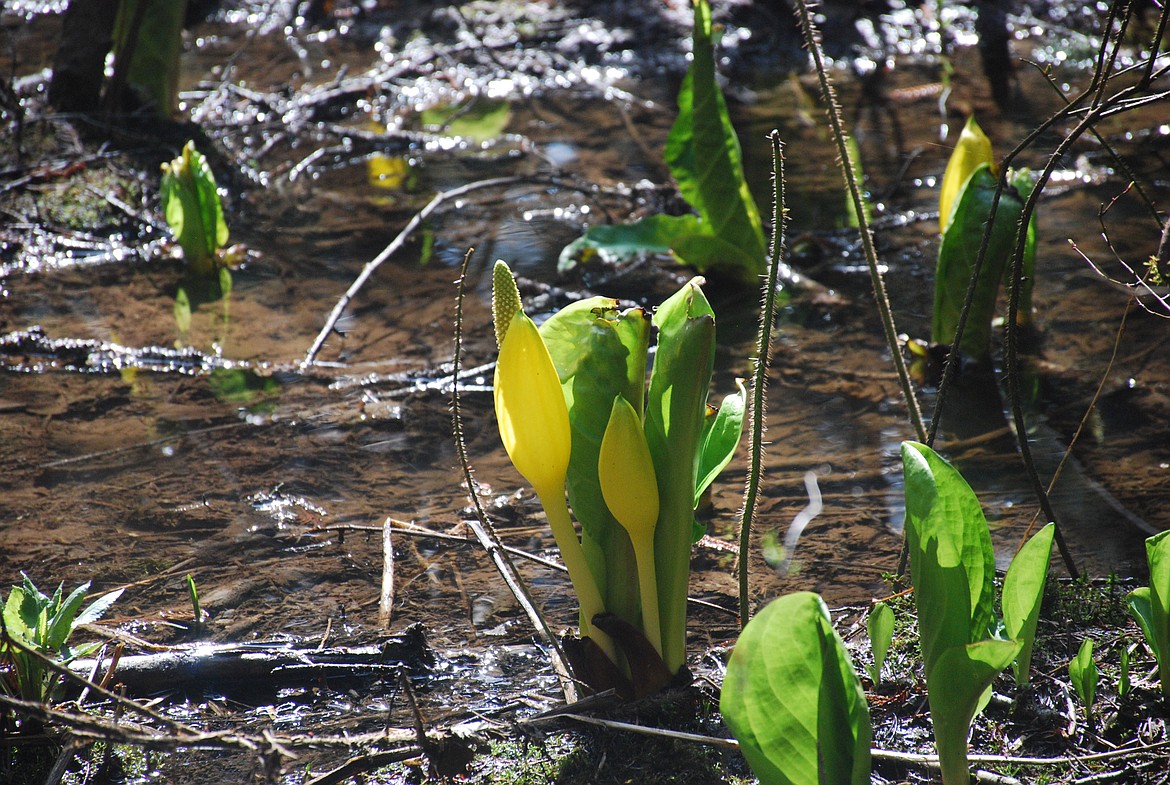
{"x":128,"y":462}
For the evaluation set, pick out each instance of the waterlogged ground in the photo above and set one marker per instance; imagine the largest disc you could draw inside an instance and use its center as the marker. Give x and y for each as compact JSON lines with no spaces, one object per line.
{"x":135,"y":453}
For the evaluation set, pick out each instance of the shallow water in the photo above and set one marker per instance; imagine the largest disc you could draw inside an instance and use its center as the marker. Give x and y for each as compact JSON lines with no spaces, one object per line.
{"x":130,"y":464}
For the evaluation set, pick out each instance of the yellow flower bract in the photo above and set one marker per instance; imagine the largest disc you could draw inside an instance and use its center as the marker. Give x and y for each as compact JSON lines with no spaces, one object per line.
{"x":530,"y":408}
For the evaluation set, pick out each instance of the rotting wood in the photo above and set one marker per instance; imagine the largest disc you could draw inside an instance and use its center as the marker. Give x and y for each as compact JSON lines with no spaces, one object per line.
{"x":260,"y":666}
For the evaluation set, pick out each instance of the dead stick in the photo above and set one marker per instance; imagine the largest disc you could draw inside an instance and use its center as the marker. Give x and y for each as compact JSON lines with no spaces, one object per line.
{"x":390,"y":250}
{"x":386,"y":602}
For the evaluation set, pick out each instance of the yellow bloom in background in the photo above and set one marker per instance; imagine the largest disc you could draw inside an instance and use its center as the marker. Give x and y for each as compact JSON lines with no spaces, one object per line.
{"x":973,"y":150}
{"x":629,"y":486}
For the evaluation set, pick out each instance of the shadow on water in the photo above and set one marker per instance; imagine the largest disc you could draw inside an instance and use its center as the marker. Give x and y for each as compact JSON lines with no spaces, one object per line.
{"x":132,"y":461}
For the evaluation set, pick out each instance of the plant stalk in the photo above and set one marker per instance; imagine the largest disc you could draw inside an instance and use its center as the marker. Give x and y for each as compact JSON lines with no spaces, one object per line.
{"x":580,"y":575}
{"x":758,"y":410}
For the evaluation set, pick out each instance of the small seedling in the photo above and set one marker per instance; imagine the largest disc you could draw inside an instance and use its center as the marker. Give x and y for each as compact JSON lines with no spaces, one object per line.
{"x":44,"y":624}
{"x":196,"y":610}
{"x":1082,"y":672}
{"x":880,"y":626}
{"x":1124,"y":685}
{"x":194,"y":212}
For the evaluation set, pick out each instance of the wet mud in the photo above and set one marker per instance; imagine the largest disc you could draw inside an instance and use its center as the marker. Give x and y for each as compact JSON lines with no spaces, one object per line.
{"x":134,"y":455}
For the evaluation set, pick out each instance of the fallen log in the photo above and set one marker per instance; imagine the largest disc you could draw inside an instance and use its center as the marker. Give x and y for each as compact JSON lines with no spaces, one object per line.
{"x":229,"y":668}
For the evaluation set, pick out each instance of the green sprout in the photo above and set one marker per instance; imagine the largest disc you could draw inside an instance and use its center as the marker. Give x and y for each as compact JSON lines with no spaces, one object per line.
{"x":34,"y":620}
{"x":1082,"y":672}
{"x":194,"y":212}
{"x":965,"y":201}
{"x":1150,"y":605}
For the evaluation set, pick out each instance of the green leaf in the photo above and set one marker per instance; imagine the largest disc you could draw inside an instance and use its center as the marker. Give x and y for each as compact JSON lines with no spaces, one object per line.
{"x":60,"y":624}
{"x":193,"y":210}
{"x":675,"y":410}
{"x":956,"y":263}
{"x":147,"y":56}
{"x":1151,"y":605}
{"x":961,"y":677}
{"x":599,"y":354}
{"x":880,"y":626}
{"x":721,"y":434}
{"x":1124,"y":685}
{"x":712,"y":181}
{"x":482,"y":121}
{"x":792,"y":699}
{"x":618,"y":243}
{"x":952,"y":563}
{"x":1082,"y":672}
{"x":1023,"y":591}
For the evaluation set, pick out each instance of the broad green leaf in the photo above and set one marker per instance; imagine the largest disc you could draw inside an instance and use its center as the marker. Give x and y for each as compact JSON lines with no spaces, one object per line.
{"x":1023,"y":591}
{"x":721,"y":434}
{"x":1082,"y":672}
{"x":704,"y":156}
{"x":97,"y":608}
{"x":972,"y":151}
{"x":14,"y":619}
{"x":1142,"y":612}
{"x":617,"y":243}
{"x":675,"y":409}
{"x":147,"y":56}
{"x":599,"y":354}
{"x":952,"y":563}
{"x":962,"y":675}
{"x":880,"y":626}
{"x":706,"y":251}
{"x":956,"y":263}
{"x":792,"y":699}
{"x":481,"y":121}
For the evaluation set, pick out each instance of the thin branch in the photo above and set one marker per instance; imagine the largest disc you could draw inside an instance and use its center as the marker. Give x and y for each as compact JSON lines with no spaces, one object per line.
{"x":395,"y":244}
{"x":849,"y":173}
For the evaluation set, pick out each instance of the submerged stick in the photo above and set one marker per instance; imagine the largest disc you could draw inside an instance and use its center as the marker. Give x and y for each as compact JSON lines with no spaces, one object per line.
{"x":386,"y":600}
{"x":758,"y":410}
{"x":480,"y":524}
{"x":390,"y":250}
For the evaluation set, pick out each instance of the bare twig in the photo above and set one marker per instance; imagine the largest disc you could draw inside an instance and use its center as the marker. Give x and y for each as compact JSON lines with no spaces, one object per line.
{"x":386,"y":600}
{"x":395,"y":244}
{"x":849,"y":170}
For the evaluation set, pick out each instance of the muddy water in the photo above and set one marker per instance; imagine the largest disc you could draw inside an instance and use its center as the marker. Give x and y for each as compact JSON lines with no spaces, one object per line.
{"x":129,"y":463}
